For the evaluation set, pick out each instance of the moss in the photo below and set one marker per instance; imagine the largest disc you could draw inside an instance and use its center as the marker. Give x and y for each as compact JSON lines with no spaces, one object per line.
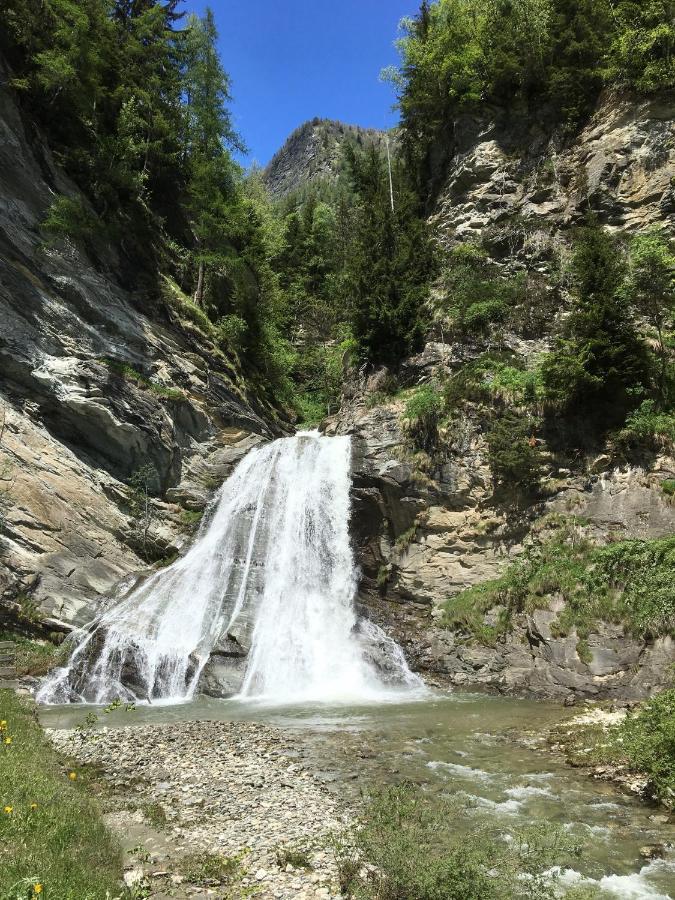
{"x":584,"y":651}
{"x":166,"y":561}
{"x":54,"y":834}
{"x":35,"y":657}
{"x":128,"y":373}
{"x":191,"y":517}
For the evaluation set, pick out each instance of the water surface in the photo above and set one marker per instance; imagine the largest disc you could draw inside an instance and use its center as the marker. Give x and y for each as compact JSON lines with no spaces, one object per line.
{"x":471,"y":747}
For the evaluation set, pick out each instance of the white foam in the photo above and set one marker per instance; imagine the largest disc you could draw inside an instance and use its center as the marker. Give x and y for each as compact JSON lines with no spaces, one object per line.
{"x":636,"y":886}
{"x":272,"y":567}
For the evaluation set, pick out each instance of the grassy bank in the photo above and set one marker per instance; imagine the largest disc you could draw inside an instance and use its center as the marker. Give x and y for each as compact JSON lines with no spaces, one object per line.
{"x":642,"y":745}
{"x":52,"y":840}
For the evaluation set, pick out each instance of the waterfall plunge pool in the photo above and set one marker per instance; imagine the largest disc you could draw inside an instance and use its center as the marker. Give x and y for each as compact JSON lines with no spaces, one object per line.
{"x":463,"y":744}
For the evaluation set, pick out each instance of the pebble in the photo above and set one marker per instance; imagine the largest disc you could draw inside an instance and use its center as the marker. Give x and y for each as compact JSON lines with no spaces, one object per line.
{"x":225,"y":787}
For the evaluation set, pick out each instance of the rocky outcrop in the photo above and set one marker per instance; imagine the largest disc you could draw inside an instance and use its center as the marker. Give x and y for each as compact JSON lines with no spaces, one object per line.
{"x":424,"y":536}
{"x":313,"y":153}
{"x":519,"y":187}
{"x":95,"y":383}
{"x":428,"y":528}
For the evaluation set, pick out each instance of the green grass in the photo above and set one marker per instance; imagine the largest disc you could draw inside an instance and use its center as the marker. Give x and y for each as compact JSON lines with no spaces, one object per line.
{"x":191,"y":518}
{"x":128,"y":373}
{"x":34,"y":657}
{"x":627,"y":582}
{"x":406,"y":845}
{"x":293,"y":856}
{"x":668,"y":487}
{"x":53,"y":834}
{"x":155,"y":814}
{"x":214,"y":869}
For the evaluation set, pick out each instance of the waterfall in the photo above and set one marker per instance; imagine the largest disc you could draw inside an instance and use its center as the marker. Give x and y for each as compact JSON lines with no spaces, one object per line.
{"x":262,"y":604}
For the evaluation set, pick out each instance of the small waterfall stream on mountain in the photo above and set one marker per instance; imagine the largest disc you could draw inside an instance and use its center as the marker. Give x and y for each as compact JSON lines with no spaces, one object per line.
{"x":267,"y":588}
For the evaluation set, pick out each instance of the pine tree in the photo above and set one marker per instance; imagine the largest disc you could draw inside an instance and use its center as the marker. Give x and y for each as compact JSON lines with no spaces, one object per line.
{"x":581,"y":32}
{"x":208,"y":132}
{"x":392,"y":262}
{"x":600,"y":366}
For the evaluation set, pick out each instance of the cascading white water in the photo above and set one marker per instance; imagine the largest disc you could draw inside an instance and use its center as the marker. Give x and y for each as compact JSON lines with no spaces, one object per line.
{"x":272,"y":568}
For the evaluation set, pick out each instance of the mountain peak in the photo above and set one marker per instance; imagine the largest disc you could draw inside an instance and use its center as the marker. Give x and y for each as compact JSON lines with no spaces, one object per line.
{"x":312,"y":153}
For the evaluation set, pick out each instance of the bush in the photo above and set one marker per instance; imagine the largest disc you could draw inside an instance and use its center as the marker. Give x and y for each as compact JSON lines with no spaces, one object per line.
{"x":647,"y":740}
{"x":515,"y":458}
{"x":628,"y":582}
{"x":648,"y":426}
{"x":475,"y":296}
{"x":405,"y":846}
{"x":421,"y":418}
{"x":494,"y":377}
{"x":231,"y":331}
{"x":70,"y":217}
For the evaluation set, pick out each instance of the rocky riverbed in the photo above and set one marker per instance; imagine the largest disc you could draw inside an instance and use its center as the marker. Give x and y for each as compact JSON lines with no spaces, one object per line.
{"x":216,"y":788}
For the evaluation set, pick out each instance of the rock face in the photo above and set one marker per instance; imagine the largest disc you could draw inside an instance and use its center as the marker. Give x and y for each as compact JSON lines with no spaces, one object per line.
{"x":94,"y":384}
{"x":520,"y":188}
{"x":313,"y":153}
{"x":423,"y":537}
{"x":425,"y":533}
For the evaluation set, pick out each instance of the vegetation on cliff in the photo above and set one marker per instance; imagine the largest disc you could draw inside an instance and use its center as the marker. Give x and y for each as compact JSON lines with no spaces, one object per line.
{"x":627,"y":582}
{"x":550,"y":55}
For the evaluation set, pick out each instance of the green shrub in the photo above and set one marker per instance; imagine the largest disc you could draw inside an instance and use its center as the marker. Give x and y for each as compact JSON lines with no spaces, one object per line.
{"x":474,"y":295}
{"x":215,"y":869}
{"x":421,"y":417}
{"x":71,"y":217}
{"x":515,"y":458}
{"x":647,"y":426}
{"x":668,"y":487}
{"x":231,"y":332}
{"x":647,"y":741}
{"x":406,"y":846}
{"x":628,"y":582}
{"x":501,"y":377}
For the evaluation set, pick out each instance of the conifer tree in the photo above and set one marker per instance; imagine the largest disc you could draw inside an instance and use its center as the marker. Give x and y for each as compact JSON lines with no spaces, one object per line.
{"x":600,"y":366}
{"x":392,"y":263}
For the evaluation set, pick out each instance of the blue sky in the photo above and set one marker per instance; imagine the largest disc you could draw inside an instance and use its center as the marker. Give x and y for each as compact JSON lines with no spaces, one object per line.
{"x":291,"y":60}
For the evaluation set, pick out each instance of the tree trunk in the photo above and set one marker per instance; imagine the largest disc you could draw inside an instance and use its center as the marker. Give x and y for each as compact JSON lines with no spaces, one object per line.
{"x":199,"y":293}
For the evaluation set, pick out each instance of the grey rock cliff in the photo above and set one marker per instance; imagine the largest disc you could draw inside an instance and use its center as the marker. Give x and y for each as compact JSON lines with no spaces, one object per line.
{"x":424,"y":536}
{"x":74,"y":427}
{"x":312,"y":153}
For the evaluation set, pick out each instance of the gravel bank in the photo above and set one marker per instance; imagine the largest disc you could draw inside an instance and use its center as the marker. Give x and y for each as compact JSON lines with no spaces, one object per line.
{"x":223,"y":787}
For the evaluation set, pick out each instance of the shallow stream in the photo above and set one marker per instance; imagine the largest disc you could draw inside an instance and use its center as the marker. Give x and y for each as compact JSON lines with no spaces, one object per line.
{"x":472,"y":746}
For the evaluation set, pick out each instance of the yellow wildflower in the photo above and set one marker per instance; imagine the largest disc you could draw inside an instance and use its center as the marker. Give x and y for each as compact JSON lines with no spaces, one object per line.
{"x":72,"y":775}
{"x":9,"y":810}
{"x":8,"y":740}
{"x":37,"y":888}
{"x":33,"y":806}
{"x":3,"y":724}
